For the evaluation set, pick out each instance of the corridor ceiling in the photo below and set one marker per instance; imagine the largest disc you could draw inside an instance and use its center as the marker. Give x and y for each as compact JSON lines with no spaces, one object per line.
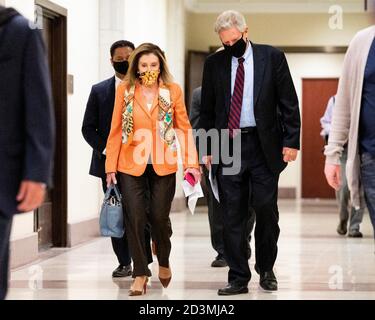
{"x":274,"y":6}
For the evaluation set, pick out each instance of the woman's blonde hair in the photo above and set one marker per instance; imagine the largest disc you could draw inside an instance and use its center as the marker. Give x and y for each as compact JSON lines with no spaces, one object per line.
{"x":144,"y":49}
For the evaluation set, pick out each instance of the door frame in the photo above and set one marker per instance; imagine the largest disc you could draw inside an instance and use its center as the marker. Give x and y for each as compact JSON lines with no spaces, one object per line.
{"x":59,"y":87}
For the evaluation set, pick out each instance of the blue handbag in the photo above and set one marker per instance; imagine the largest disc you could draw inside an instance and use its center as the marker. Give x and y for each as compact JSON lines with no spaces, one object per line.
{"x":111,"y":215}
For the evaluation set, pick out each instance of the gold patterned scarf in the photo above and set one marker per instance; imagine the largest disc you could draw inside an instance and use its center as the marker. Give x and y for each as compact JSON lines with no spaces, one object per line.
{"x":165,"y":117}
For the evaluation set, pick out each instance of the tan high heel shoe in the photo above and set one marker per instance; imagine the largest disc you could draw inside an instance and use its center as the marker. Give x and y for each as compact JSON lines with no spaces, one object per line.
{"x":165,"y":276}
{"x":133,"y":292}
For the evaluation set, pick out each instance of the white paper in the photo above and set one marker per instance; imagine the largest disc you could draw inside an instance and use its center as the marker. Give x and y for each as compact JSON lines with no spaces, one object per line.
{"x":214,"y":185}
{"x":193,"y":194}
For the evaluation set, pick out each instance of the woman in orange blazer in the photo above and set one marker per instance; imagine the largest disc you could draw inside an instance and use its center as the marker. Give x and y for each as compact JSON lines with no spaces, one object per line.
{"x":148,"y":117}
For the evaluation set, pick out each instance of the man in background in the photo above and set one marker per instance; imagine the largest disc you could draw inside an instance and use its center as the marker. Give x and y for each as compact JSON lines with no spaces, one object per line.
{"x":343,"y":194}
{"x":353,"y":122}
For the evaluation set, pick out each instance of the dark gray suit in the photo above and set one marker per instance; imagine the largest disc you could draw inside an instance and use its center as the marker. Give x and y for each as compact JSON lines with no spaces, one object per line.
{"x":215,"y":214}
{"x":27,"y":125}
{"x":277,"y":117}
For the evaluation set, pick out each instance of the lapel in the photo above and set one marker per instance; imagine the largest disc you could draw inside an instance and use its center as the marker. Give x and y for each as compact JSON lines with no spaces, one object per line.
{"x":111,"y":91}
{"x":139,"y":100}
{"x":226,"y":76}
{"x":259,"y":66}
{"x":155,"y":104}
{"x":109,"y":100}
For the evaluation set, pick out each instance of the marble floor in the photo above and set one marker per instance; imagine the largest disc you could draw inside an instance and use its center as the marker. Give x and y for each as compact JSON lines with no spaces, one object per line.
{"x":313,"y":263}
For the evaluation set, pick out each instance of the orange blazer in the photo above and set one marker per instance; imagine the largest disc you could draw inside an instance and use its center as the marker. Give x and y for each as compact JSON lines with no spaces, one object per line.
{"x":132,"y":158}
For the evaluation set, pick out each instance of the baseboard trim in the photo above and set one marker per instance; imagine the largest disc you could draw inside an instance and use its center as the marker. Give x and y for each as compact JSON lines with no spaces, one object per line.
{"x":23,"y":250}
{"x":287,"y":193}
{"x":83,"y":231}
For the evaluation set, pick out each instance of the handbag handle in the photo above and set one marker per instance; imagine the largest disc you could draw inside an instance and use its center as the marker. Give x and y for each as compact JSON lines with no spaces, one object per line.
{"x":117,"y":192}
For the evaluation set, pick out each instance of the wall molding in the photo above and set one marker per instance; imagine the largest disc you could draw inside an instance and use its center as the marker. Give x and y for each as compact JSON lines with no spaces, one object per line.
{"x":83,"y":231}
{"x":287,"y":193}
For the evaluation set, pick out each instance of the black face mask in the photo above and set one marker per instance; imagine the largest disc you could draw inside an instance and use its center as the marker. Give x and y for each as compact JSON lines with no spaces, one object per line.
{"x":238,"y":49}
{"x":121,"y":67}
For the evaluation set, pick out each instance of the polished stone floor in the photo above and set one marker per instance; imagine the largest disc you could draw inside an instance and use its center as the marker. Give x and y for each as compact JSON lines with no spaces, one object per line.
{"x":313,"y":263}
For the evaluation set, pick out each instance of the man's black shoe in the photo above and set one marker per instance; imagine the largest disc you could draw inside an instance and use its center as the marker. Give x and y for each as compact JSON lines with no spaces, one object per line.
{"x":267,"y":281}
{"x":232,"y":289}
{"x":342,"y":228}
{"x":355,"y":234}
{"x":219,"y":262}
{"x":122,"y":271}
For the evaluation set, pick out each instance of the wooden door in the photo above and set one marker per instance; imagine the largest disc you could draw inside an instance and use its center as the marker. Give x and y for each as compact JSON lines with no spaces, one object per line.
{"x":50,"y":220}
{"x":316,"y":94}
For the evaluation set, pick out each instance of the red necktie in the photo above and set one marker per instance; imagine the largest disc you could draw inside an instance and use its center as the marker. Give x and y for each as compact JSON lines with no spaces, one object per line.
{"x":237,"y":98}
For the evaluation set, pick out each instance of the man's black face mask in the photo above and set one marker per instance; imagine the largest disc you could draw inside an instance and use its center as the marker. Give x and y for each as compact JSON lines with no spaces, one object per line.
{"x":237,"y":49}
{"x":121,"y":67}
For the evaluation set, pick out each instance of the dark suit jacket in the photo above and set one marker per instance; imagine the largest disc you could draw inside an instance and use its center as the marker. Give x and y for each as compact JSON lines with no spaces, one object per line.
{"x":27,"y":122}
{"x":97,"y":122}
{"x":275,"y":101}
{"x":195,"y":108}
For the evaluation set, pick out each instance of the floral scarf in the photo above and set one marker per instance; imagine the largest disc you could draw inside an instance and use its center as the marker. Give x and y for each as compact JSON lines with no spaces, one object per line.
{"x":165,"y":118}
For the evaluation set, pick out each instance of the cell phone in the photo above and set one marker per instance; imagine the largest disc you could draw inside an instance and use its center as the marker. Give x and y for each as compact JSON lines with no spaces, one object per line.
{"x":190,"y":178}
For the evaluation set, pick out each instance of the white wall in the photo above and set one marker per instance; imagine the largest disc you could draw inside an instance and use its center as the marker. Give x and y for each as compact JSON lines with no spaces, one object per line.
{"x":26,"y":7}
{"x":84,"y":191}
{"x":83,"y":41}
{"x":111,"y":29}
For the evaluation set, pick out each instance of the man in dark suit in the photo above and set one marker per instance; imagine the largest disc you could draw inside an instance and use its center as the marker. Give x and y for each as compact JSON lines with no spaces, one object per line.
{"x":96,"y":128}
{"x":248,"y":92}
{"x":215,"y":210}
{"x":27,"y":126}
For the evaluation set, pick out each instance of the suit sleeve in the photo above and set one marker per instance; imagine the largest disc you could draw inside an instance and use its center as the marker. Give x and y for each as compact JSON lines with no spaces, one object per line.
{"x":195,"y":109}
{"x":208,"y":100}
{"x":184,"y":131}
{"x":39,"y":120}
{"x":115,"y":137}
{"x":288,"y":104}
{"x":91,"y":124}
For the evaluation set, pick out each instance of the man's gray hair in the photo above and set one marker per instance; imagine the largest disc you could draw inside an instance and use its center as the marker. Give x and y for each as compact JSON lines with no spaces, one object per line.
{"x":230,"y":19}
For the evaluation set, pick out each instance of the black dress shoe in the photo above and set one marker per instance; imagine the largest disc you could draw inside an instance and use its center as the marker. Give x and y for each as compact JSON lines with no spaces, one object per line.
{"x":219,"y":262}
{"x":342,"y":228}
{"x":355,"y":234}
{"x":122,"y":271}
{"x":267,"y":281}
{"x":232,"y":289}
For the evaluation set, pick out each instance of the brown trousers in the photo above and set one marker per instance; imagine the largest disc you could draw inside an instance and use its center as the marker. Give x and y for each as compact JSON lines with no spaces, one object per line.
{"x":162,"y":191}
